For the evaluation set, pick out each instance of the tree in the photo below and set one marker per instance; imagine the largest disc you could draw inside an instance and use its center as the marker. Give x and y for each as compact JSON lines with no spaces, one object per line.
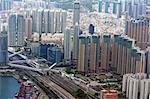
{"x":68,"y":71}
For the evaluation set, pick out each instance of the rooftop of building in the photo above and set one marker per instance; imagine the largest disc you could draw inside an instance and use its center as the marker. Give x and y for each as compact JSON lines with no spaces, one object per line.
{"x":138,"y":76}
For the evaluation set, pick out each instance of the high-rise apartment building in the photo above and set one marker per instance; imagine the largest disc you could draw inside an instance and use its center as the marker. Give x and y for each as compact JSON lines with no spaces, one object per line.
{"x":28,"y":28}
{"x":39,"y":21}
{"x":76,"y":24}
{"x":88,"y":53}
{"x":110,"y":6}
{"x":49,"y":21}
{"x":126,"y":58}
{"x":100,"y":5}
{"x":105,"y":51}
{"x":3,"y":48}
{"x":34,"y":19}
{"x":139,"y":30}
{"x":107,"y":5}
{"x":16,"y":30}
{"x":6,"y":4}
{"x":82,"y":55}
{"x":46,"y":21}
{"x":148,"y":8}
{"x":136,"y":86}
{"x":121,"y":51}
{"x":76,"y":13}
{"x":67,"y":45}
{"x":76,"y":41}
{"x":57,"y":21}
{"x":118,"y":10}
{"x":52,"y":21}
{"x":63,"y":21}
{"x":148,"y":61}
{"x":133,"y":8}
{"x":138,"y":60}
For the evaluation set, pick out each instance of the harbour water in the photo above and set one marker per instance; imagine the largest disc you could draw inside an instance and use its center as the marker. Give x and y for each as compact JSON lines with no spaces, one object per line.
{"x":9,"y":86}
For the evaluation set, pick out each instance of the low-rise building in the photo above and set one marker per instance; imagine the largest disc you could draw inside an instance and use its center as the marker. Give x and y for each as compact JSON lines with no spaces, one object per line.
{"x":111,"y":94}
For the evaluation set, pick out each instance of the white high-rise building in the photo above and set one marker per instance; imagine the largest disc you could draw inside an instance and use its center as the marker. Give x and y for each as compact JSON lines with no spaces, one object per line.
{"x":28,"y":28}
{"x":3,"y":48}
{"x":51,"y":21}
{"x":46,"y":21}
{"x":76,"y":14}
{"x":34,"y":19}
{"x":76,"y":22}
{"x":145,"y":89}
{"x":39,"y":21}
{"x":16,"y":30}
{"x":76,"y":41}
{"x":60,"y":21}
{"x":67,"y":45}
{"x":63,"y":21}
{"x":132,"y":8}
{"x":57,"y":22}
{"x":6,"y":4}
{"x":136,"y":86}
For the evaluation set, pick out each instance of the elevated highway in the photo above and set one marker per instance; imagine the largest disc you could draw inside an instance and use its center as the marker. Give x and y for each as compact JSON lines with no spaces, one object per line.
{"x":32,"y":68}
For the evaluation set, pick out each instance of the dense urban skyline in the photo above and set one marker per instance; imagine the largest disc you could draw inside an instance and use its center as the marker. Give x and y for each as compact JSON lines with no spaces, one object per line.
{"x":75,"y":49}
